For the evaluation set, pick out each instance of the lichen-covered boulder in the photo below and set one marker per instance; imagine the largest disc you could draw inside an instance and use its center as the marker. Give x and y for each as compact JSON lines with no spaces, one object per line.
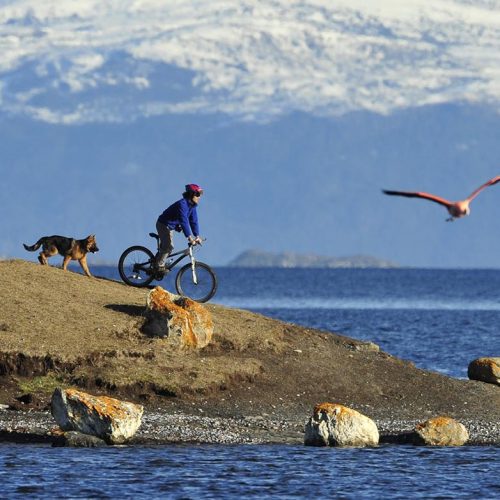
{"x":336,"y":425}
{"x":440,"y":431}
{"x":109,"y":419}
{"x":485,"y":370}
{"x":183,"y":321}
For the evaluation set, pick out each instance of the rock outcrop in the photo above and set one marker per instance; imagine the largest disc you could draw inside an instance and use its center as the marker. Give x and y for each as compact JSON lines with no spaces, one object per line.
{"x":440,"y":431}
{"x":109,"y":419}
{"x":183,"y":321}
{"x":336,"y":425}
{"x":485,"y":370}
{"x":73,"y":439}
{"x":260,"y":258}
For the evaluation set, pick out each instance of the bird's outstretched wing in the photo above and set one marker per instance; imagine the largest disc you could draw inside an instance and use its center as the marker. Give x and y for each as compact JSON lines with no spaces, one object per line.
{"x":425,"y":196}
{"x":485,"y":185}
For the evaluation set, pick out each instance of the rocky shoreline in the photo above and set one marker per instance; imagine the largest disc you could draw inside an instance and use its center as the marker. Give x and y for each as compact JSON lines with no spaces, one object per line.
{"x":161,"y":428}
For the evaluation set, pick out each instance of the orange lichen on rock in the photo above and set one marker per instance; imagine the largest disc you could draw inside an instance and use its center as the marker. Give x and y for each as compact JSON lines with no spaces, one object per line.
{"x":178,"y":318}
{"x":441,"y":431}
{"x":159,"y":299}
{"x":102,"y":405}
{"x":485,"y":370}
{"x":325,"y":407}
{"x":107,"y":418}
{"x":333,"y":424}
{"x":200,"y":322}
{"x":436,"y":422}
{"x":334,"y":409}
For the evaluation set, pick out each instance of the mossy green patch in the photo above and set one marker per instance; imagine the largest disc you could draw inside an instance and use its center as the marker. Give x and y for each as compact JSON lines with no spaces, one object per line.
{"x":45,"y":384}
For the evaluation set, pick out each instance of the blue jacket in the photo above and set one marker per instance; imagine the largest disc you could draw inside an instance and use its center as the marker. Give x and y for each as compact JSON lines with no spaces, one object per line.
{"x":181,"y":215}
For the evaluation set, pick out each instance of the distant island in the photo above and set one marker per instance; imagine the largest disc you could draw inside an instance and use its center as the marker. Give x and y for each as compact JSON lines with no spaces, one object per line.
{"x":261,"y":258}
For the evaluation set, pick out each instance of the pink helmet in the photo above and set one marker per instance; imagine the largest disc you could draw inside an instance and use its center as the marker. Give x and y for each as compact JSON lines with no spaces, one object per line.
{"x":193,"y":188}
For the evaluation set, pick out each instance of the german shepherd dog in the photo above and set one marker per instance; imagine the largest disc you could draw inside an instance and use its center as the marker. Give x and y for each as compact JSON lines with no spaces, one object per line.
{"x":69,"y":248}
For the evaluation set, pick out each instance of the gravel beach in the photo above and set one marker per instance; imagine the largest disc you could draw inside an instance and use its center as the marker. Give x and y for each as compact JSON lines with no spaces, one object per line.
{"x":160,"y":428}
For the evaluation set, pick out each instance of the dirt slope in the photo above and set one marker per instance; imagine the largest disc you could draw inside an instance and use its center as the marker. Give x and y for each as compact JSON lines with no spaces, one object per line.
{"x":61,"y":328}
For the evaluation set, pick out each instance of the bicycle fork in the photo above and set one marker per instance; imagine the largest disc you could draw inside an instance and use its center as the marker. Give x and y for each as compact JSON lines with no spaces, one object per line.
{"x":193,"y":265}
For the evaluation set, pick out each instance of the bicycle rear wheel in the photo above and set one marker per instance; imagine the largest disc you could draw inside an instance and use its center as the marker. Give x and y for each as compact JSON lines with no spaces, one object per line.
{"x":206,"y":282}
{"x":135,"y":266}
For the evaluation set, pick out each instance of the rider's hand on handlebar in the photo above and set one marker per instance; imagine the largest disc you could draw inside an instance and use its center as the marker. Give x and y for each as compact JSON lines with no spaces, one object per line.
{"x":194,"y":241}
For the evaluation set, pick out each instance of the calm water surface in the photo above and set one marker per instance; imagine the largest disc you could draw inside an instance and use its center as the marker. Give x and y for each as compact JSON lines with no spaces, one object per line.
{"x":441,"y":320}
{"x":250,"y":471}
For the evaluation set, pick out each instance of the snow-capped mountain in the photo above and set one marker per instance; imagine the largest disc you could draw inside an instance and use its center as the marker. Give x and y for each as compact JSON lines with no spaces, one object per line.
{"x":119,"y":60}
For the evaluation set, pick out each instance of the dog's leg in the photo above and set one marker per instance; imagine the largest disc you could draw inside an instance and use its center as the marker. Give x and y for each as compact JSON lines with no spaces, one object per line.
{"x":48,"y":252}
{"x":66,"y":260}
{"x":83,"y":264}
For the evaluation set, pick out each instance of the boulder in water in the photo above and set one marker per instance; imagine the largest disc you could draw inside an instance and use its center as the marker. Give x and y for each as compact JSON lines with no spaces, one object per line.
{"x":336,"y":425}
{"x":109,"y":419}
{"x":440,"y":431}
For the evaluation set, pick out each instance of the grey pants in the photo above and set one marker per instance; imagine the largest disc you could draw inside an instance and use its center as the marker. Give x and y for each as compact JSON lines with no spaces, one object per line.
{"x":166,"y":245}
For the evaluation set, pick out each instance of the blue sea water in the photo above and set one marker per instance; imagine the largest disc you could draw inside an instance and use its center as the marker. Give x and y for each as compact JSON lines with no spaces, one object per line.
{"x":439,"y":319}
{"x":260,"y":471}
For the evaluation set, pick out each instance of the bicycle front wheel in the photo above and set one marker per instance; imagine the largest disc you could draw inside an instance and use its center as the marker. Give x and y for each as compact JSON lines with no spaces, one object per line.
{"x":135,"y":266}
{"x":200,"y":285}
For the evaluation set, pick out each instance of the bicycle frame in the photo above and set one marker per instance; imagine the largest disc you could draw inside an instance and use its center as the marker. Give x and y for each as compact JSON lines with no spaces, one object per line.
{"x":182,"y":254}
{"x":171,"y":263}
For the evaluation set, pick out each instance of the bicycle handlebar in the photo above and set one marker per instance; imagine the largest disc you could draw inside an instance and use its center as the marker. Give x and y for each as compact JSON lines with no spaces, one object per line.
{"x":193,"y":244}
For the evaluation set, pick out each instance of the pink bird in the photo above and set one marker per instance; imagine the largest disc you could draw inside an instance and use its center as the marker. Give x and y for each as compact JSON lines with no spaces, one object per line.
{"x":456,"y":209}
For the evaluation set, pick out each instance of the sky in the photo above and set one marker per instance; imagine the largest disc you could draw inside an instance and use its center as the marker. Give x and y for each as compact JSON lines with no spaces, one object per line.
{"x":75,"y":71}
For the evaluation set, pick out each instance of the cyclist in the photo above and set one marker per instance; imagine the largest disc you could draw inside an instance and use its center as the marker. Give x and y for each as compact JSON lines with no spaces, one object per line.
{"x":180,"y":216}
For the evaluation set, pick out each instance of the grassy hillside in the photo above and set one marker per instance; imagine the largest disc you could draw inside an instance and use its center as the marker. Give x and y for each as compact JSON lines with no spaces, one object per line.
{"x":62,"y":328}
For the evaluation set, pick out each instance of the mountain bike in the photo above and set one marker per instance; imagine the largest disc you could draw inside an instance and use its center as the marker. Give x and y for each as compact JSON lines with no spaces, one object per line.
{"x":195,"y":280}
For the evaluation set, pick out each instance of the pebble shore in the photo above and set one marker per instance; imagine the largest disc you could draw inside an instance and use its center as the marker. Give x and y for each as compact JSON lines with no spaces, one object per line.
{"x":159,"y":427}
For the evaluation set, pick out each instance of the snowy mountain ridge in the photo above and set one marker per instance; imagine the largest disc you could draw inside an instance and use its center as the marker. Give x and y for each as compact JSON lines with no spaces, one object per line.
{"x":117,"y":61}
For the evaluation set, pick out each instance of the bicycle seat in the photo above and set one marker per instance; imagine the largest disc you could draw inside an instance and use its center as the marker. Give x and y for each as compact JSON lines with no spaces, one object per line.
{"x":154,"y":235}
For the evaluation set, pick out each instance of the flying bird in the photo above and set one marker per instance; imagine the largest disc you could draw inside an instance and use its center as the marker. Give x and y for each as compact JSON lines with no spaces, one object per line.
{"x":456,"y":209}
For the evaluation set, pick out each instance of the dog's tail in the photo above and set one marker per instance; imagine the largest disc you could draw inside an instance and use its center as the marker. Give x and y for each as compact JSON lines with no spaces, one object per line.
{"x":34,"y":247}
